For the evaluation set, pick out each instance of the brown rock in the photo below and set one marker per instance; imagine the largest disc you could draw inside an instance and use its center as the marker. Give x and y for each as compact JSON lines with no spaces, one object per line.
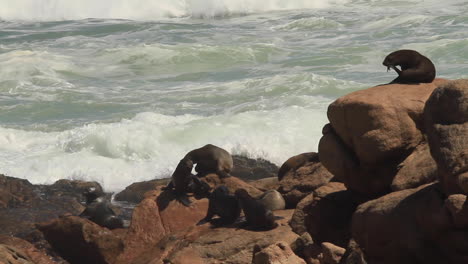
{"x":297,"y":222}
{"x":295,"y":162}
{"x":409,"y":226}
{"x":171,"y":211}
{"x":15,"y":192}
{"x":134,"y":193}
{"x":353,"y":254}
{"x":371,"y":132}
{"x":417,"y":169}
{"x":29,"y":250}
{"x":446,"y":120}
{"x":266,"y":184}
{"x":155,"y":221}
{"x":278,"y":253}
{"x":252,"y":169}
{"x":381,"y":122}
{"x":458,"y":208}
{"x":81,"y":241}
{"x":145,"y":230}
{"x":28,"y":204}
{"x":301,"y":180}
{"x":328,"y":216}
{"x":232,"y":245}
{"x":331,"y":253}
{"x":72,"y":188}
{"x":11,"y":255}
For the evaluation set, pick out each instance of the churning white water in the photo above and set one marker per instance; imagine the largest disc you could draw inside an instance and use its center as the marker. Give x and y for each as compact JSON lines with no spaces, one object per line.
{"x":118,"y":91}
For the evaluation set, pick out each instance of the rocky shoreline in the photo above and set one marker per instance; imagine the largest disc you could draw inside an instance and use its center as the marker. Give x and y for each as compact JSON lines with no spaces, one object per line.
{"x":388,"y":185}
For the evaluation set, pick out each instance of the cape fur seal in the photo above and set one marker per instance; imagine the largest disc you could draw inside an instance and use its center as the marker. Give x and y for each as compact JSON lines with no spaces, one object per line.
{"x":256,"y":214}
{"x":223,"y":204}
{"x":415,"y":68}
{"x":208,"y":159}
{"x":211,"y":159}
{"x":272,"y":200}
{"x":99,"y":211}
{"x":184,"y":182}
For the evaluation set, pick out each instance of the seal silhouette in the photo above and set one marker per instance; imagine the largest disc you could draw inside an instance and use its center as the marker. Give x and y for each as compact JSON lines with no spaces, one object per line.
{"x":208,"y":159}
{"x":415,"y":68}
{"x":223,"y":204}
{"x":99,"y":211}
{"x":257,"y":215}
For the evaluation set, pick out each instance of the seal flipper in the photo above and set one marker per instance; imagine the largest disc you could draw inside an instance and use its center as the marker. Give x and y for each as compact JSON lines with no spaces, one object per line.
{"x":169,"y":186}
{"x":202,"y":222}
{"x":183,"y":199}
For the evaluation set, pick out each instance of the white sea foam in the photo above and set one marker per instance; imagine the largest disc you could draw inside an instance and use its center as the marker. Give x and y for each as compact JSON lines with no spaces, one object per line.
{"x":52,"y":10}
{"x":150,"y":144}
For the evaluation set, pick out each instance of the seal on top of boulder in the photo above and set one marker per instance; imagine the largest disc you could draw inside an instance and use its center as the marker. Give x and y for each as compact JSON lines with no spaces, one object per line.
{"x":99,"y":211}
{"x":223,"y":204}
{"x":415,"y":68}
{"x":257,"y":215}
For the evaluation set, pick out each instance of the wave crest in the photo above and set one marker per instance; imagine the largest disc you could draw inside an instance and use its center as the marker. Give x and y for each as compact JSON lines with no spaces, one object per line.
{"x":57,"y":10}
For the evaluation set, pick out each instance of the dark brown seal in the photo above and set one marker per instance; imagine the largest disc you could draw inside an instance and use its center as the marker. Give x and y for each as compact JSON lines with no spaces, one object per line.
{"x":257,"y":215}
{"x":211,"y":159}
{"x":415,"y":68}
{"x":99,"y":211}
{"x":224,"y":205}
{"x":184,"y":182}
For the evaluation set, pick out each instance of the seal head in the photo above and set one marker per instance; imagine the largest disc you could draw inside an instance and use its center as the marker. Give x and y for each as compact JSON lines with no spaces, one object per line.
{"x":415,"y":68}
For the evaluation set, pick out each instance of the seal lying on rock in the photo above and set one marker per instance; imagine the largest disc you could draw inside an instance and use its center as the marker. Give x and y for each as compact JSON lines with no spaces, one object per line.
{"x":99,"y":211}
{"x":415,"y":68}
{"x":257,"y":215}
{"x":224,"y":205}
{"x":272,"y":200}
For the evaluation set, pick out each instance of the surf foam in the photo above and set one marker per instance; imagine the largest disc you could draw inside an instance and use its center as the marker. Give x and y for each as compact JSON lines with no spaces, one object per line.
{"x":56,"y":10}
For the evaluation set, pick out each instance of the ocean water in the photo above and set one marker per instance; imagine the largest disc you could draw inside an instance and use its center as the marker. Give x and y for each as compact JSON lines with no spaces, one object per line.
{"x":118,"y":91}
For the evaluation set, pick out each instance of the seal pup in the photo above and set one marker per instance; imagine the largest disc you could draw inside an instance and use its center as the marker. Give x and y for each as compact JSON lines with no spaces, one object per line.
{"x":223,"y":204}
{"x":272,"y":200}
{"x":415,"y":68}
{"x":181,"y":181}
{"x":257,"y":215}
{"x":211,"y":159}
{"x":99,"y":211}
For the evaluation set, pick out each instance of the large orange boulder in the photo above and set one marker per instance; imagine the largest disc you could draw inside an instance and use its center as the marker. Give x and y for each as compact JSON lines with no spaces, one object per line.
{"x":413,"y":226}
{"x":371,"y":132}
{"x":153,"y":220}
{"x":446,"y":116}
{"x":79,"y":240}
